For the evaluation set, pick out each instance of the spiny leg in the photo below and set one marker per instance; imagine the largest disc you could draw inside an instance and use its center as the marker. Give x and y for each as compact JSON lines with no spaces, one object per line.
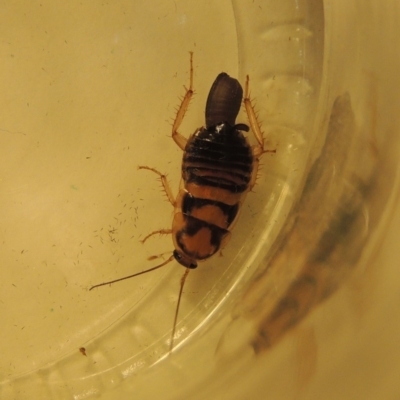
{"x":159,"y":232}
{"x":183,"y":279}
{"x":161,"y":255}
{"x":255,"y":126}
{"x":253,"y":121}
{"x":254,"y":175}
{"x":164,"y":183}
{"x":178,"y":138}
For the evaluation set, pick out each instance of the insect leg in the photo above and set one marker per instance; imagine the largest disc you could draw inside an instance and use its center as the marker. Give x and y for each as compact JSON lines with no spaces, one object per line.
{"x":178,"y":138}
{"x":254,"y":175}
{"x":253,"y":121}
{"x":160,"y":232}
{"x":255,"y":126}
{"x":158,"y":256}
{"x":183,"y":279}
{"x":164,"y":183}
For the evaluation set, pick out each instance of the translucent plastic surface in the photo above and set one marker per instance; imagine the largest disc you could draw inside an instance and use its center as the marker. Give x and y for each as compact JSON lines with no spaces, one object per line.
{"x":89,"y":92}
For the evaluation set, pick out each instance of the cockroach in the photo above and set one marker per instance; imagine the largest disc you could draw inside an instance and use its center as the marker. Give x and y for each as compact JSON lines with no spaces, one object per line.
{"x":219,"y":167}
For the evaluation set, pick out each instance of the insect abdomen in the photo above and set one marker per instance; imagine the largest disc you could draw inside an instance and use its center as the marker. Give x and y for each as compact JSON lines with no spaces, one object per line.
{"x":218,"y":159}
{"x":217,"y":170}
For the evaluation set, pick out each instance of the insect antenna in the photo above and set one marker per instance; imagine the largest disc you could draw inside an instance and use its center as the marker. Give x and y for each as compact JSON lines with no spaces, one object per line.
{"x":183,"y":279}
{"x":133,"y":275}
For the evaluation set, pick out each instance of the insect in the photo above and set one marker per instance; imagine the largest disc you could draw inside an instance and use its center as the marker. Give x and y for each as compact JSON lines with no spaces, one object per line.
{"x":219,"y":167}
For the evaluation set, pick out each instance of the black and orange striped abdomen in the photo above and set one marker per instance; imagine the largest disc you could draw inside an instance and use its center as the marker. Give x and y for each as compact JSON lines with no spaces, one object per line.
{"x":218,"y":157}
{"x":217,"y":169}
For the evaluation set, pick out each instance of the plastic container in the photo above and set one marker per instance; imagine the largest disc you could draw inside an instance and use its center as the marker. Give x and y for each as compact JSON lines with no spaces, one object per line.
{"x":301,"y":304}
